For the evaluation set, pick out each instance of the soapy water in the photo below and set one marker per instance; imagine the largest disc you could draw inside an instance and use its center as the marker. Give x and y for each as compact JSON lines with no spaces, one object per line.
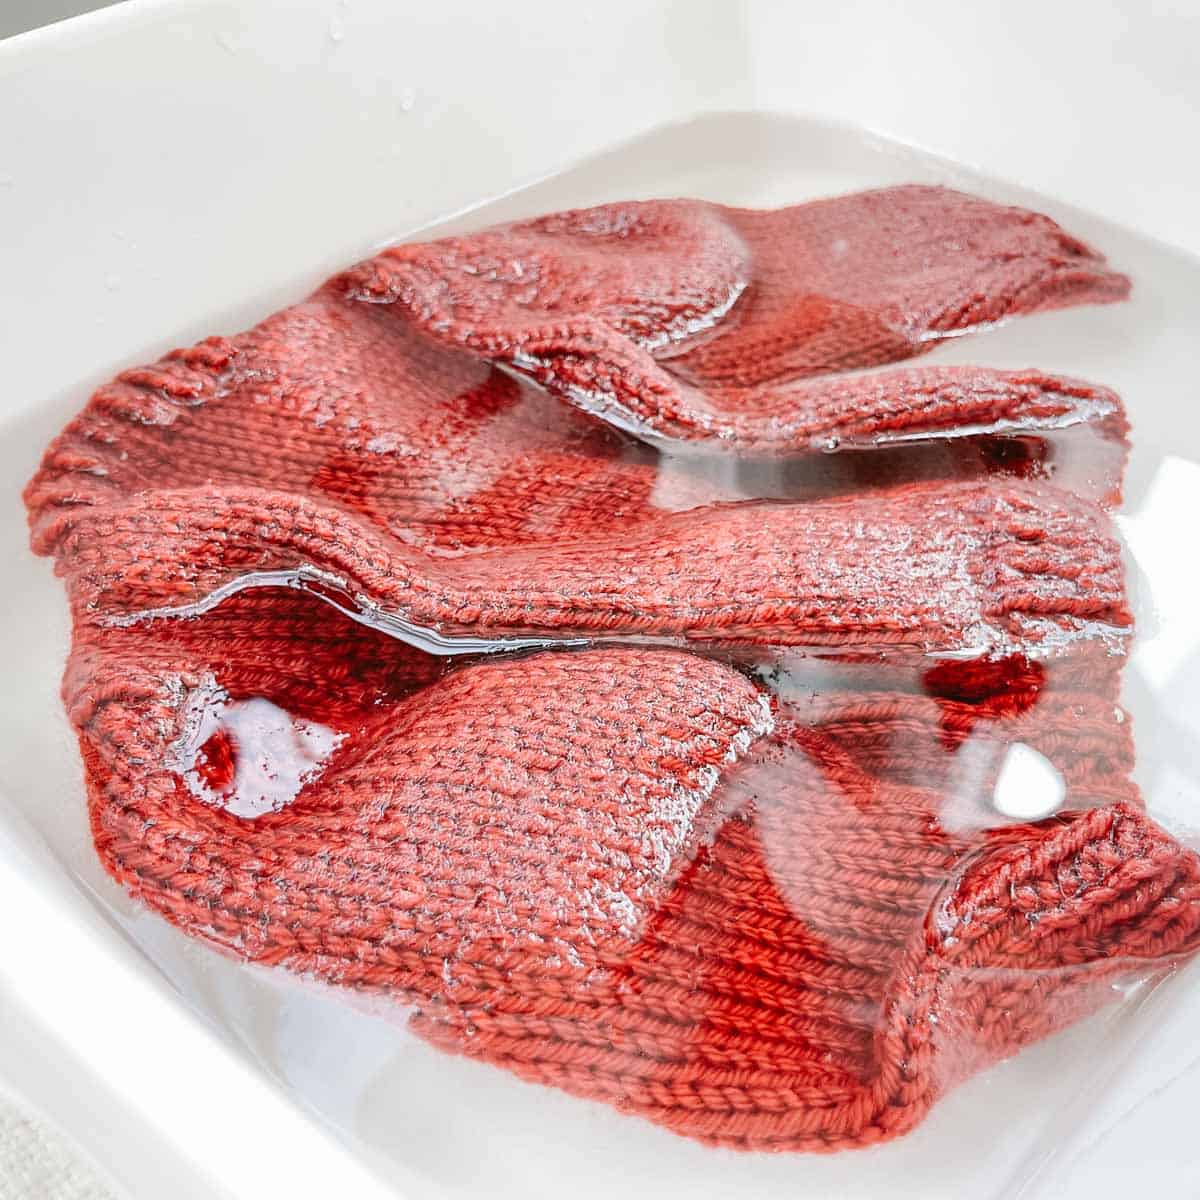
{"x":990,"y":781}
{"x":265,"y":753}
{"x":251,"y":754}
{"x":248,"y":756}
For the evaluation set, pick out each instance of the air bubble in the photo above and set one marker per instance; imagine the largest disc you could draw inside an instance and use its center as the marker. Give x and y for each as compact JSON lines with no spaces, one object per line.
{"x":1029,"y":786}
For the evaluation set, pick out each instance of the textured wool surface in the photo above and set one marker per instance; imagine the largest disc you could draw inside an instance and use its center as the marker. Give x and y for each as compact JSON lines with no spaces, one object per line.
{"x":758,"y":896}
{"x":933,"y":567}
{"x":694,"y":321}
{"x":345,"y":403}
{"x":623,"y":873}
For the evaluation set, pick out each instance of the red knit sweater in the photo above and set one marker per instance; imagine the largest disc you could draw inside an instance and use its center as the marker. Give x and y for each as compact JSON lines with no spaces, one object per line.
{"x":671,"y":860}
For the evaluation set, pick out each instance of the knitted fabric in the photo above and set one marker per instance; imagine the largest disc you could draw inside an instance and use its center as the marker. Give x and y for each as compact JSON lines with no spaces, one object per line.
{"x":784,"y":917}
{"x":692,"y":321}
{"x":619,"y":872}
{"x":339,"y":401}
{"x":951,"y":727}
{"x":930,"y":567}
{"x":326,"y":398}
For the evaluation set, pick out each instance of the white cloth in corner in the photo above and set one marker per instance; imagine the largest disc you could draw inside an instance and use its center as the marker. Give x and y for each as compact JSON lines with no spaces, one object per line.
{"x":36,"y":1163}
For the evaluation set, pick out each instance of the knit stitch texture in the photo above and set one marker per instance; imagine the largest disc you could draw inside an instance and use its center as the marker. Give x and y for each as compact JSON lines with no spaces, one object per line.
{"x":673,"y":860}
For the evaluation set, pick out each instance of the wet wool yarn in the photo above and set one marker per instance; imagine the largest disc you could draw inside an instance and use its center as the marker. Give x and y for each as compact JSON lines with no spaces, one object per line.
{"x":757,"y":897}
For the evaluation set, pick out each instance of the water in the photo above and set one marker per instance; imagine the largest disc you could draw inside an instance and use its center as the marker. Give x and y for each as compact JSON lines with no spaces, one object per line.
{"x":993,"y":748}
{"x":339,"y":595}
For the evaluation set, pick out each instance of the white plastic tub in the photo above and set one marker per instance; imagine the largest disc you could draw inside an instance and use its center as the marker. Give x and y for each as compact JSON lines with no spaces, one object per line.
{"x":175,"y":169}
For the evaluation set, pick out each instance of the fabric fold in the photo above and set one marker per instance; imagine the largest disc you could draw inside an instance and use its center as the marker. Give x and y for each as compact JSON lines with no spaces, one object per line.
{"x":976,"y":569}
{"x":686,"y":320}
{"x":621,"y":872}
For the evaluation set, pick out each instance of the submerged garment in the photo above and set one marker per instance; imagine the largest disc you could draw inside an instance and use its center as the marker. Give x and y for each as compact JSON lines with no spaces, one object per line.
{"x":626,"y":871}
{"x":956,"y":727}
{"x":688,"y":320}
{"x":334,"y":400}
{"x":621,"y":872}
{"x":964,"y":567}
{"x":326,"y":398}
